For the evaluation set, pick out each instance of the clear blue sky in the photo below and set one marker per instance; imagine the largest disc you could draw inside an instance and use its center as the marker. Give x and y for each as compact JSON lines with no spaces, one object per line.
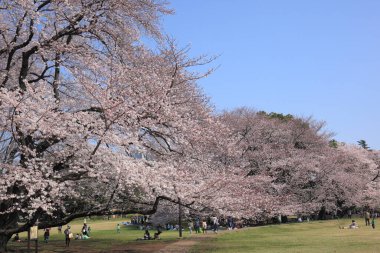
{"x":318,"y":58}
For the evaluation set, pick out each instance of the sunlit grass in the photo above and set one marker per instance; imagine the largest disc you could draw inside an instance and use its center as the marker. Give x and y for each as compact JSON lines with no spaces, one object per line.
{"x":103,"y":235}
{"x":318,"y":236}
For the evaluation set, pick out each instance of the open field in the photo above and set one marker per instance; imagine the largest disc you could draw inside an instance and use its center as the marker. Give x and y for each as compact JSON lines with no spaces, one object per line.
{"x":318,"y":236}
{"x":103,"y":239}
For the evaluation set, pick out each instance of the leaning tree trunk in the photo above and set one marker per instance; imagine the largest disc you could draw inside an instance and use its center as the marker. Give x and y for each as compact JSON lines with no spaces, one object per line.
{"x":4,"y":239}
{"x":6,"y":221}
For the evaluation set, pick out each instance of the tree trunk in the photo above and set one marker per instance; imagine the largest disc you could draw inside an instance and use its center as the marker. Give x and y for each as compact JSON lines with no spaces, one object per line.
{"x":322,"y":213}
{"x":4,"y":241}
{"x":179,"y":217}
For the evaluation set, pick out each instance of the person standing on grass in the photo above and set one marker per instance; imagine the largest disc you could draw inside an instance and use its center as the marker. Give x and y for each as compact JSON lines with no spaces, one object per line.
{"x":215,"y":224}
{"x":67,"y":233}
{"x":46,"y":234}
{"x":367,"y":217}
{"x":190,"y":225}
{"x":349,"y":214}
{"x":197,"y":226}
{"x":373,"y":223}
{"x":118,"y":228}
{"x":230,"y":223}
{"x":204,"y":226}
{"x":85,"y":229}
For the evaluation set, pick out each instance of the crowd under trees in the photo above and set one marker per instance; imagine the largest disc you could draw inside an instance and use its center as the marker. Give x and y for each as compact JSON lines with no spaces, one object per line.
{"x":92,"y":120}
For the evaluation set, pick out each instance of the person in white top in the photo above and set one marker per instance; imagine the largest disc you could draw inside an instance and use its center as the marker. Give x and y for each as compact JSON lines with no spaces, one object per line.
{"x":215,"y":224}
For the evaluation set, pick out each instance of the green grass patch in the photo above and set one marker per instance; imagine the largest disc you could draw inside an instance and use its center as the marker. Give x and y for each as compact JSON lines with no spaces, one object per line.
{"x":312,"y":237}
{"x":103,"y":237}
{"x":318,"y":236}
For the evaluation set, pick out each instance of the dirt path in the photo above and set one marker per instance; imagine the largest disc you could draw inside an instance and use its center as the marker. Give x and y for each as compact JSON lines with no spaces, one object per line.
{"x":184,"y":245}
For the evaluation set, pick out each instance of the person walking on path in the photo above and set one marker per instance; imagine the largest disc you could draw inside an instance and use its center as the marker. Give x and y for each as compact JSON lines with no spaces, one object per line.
{"x":367,"y":217}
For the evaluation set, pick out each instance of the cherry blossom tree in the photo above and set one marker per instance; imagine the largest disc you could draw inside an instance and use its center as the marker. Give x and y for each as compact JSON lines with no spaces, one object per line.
{"x":271,"y":149}
{"x":359,"y":183}
{"x":302,"y":172}
{"x":274,"y":164}
{"x":92,"y":120}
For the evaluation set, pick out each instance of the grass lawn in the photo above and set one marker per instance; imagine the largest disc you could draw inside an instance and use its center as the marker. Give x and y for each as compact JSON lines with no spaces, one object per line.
{"x":318,"y":236}
{"x":103,"y":239}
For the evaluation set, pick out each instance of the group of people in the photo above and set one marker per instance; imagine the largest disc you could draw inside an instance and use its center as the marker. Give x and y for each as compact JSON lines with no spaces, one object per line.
{"x":16,"y":238}
{"x":369,"y":220}
{"x":201,"y":226}
{"x":198,"y":226}
{"x":139,"y":220}
{"x":156,"y":235}
{"x":169,"y":226}
{"x":85,"y":234}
